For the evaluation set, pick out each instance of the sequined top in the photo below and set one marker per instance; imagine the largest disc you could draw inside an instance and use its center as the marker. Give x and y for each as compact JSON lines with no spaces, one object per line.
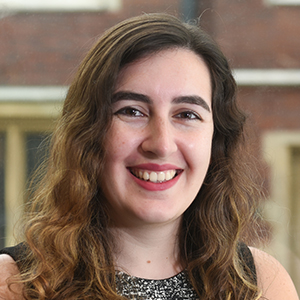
{"x":177,"y":287}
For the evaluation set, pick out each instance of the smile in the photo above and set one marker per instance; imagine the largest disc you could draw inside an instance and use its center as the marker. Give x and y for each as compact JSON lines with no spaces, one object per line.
{"x":155,"y":177}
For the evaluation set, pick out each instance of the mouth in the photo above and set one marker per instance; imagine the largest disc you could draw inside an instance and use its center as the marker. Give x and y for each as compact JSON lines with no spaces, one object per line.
{"x":155,"y":177}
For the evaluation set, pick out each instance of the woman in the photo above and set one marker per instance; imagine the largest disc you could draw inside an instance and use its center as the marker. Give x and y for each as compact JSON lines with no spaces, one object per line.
{"x":145,"y":195}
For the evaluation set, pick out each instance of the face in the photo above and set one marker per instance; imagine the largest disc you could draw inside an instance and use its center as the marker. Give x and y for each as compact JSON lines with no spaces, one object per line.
{"x":159,"y":143}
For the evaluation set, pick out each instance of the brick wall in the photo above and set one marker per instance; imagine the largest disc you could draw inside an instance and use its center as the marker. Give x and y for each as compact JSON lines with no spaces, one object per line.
{"x":254,"y":35}
{"x":44,"y":48}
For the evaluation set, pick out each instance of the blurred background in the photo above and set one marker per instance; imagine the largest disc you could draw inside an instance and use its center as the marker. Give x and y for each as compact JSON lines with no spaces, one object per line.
{"x":42,"y":43}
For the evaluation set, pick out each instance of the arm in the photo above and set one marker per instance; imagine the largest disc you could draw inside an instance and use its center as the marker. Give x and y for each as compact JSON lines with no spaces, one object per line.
{"x":8,"y":267}
{"x":273,"y":280}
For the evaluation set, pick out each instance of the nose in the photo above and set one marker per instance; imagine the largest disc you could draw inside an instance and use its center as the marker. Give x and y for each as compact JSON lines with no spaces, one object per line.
{"x":160,"y":139}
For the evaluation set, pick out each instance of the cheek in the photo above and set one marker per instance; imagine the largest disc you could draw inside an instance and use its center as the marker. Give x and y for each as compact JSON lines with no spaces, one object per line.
{"x":200,"y":140}
{"x":198,"y":151}
{"x":115,"y":147}
{"x":120,"y":143}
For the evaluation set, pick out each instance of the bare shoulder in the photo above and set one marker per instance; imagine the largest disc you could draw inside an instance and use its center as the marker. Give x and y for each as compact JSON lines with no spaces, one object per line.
{"x":273,"y":279}
{"x":8,"y":268}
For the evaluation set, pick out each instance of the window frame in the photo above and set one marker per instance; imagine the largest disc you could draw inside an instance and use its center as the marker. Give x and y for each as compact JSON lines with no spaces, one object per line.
{"x":23,"y":110}
{"x":279,"y":209}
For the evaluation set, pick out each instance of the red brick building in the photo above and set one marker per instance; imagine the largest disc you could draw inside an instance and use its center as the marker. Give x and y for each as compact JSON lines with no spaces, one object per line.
{"x":40,"y":46}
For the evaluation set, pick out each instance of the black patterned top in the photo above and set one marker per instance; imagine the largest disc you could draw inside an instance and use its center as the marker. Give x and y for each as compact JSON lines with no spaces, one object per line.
{"x":177,"y":287}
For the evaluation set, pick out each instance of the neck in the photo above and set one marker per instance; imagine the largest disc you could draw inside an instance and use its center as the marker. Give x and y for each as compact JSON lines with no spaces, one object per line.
{"x":150,"y":252}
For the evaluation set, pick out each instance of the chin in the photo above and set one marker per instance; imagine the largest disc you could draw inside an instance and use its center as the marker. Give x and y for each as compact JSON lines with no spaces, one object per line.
{"x":162,"y":217}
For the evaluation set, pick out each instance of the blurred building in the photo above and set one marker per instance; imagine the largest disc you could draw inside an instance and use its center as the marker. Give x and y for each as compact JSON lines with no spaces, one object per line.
{"x":42,"y":43}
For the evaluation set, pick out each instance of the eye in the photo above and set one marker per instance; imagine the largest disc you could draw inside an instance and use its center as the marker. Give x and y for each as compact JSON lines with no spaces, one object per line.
{"x":189,"y":115}
{"x":130,"y":112}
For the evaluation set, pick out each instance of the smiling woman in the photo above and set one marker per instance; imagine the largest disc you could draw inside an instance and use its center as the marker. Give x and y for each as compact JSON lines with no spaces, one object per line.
{"x":146,"y":195}
{"x":160,"y":128}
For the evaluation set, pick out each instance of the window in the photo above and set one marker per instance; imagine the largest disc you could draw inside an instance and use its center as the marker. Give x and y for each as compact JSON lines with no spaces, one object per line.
{"x":2,"y":205}
{"x":36,"y":148}
{"x":27,"y":116}
{"x":282,"y":152}
{"x":58,"y":5}
{"x":295,"y":211}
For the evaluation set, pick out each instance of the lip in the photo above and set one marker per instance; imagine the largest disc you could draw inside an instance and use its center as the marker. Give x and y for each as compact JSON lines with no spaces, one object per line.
{"x":152,"y":186}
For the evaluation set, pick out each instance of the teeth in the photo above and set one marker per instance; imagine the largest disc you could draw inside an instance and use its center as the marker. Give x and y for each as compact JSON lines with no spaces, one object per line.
{"x":146,"y":176}
{"x":155,"y":176}
{"x":169,"y":175}
{"x":161,"y":176}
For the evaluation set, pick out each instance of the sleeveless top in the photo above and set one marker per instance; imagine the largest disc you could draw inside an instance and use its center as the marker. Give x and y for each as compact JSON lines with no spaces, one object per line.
{"x":177,"y":287}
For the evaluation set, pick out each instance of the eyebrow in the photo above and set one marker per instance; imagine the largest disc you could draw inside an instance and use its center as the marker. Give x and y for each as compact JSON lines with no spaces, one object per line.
{"x":130,"y":96}
{"x":190,"y":99}
{"x":193,"y":99}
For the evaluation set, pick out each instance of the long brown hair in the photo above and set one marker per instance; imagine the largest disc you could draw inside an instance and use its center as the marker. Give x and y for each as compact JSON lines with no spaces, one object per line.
{"x":69,"y":246}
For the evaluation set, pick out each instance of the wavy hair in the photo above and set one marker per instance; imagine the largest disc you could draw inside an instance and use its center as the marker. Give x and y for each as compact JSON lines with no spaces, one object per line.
{"x":69,"y":245}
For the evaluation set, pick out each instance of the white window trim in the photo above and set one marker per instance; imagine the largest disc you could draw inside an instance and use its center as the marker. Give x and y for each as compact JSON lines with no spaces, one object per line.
{"x":58,"y":5}
{"x":32,"y":93}
{"x":283,"y":2}
{"x":31,"y":101}
{"x":243,"y":77}
{"x":267,"y":77}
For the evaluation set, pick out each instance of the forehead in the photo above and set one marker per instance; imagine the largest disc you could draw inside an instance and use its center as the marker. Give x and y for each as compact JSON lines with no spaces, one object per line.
{"x":164,"y":55}
{"x":172,"y":72}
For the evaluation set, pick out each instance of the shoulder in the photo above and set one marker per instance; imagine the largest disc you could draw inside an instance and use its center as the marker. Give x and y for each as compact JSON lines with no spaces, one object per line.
{"x":273,"y":280}
{"x":8,"y":268}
